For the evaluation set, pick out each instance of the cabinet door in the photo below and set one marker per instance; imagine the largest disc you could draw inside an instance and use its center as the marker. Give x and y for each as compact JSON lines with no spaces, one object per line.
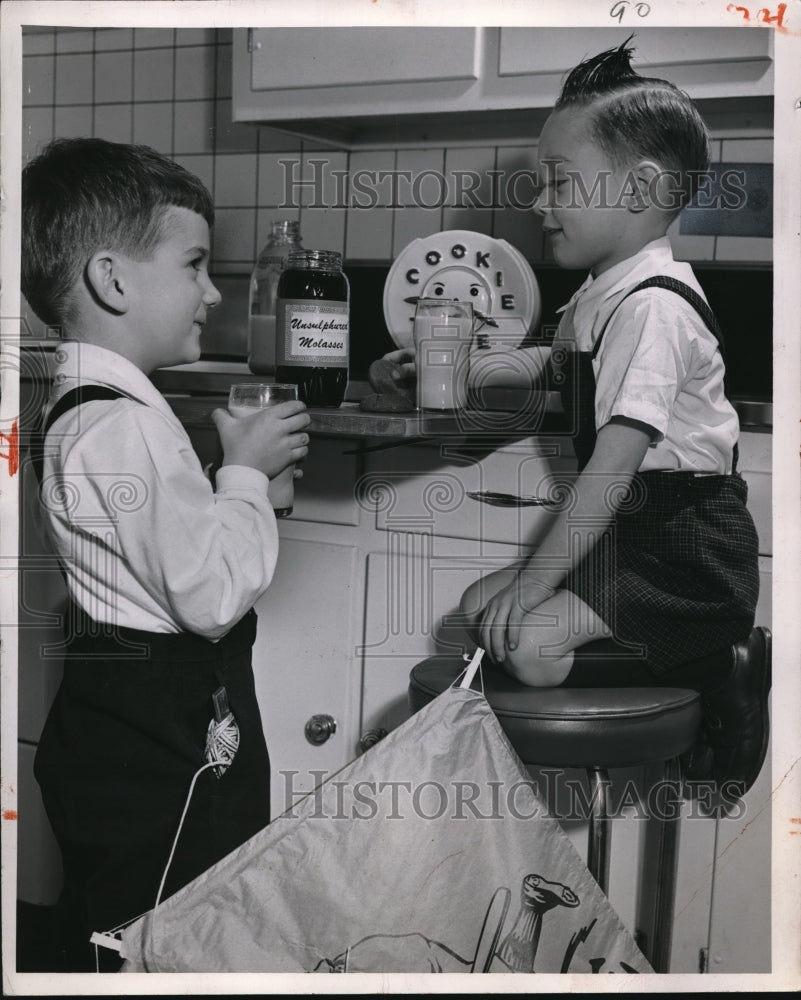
{"x":706,"y":62}
{"x":315,"y":72}
{"x":304,"y":58}
{"x":303,"y":663}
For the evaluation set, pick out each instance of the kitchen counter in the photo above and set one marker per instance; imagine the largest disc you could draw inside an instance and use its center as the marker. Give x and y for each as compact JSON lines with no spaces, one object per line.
{"x":195,"y":390}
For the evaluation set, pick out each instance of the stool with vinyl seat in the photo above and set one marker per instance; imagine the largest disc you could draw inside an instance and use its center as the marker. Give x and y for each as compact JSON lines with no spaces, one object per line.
{"x":596,"y":729}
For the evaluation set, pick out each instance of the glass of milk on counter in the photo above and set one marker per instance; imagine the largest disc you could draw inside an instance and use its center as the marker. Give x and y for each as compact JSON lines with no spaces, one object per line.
{"x":443,"y":330}
{"x":243,"y":400}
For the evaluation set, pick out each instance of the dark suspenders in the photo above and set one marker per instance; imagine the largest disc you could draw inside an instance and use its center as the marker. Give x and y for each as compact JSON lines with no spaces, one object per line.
{"x":687,"y":293}
{"x":701,"y":307}
{"x":71,"y":399}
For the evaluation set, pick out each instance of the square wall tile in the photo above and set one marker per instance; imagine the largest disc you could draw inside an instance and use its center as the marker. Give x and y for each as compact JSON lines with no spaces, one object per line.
{"x":39,"y":43}
{"x":323,"y":228}
{"x":73,"y":122}
{"x":520,"y":227}
{"x":235,"y":180}
{"x":194,"y":126}
{"x":372,"y":195}
{"x":232,"y":137}
{"x":276,"y":174}
{"x":470,"y":189}
{"x":74,"y":79}
{"x":414,"y":224}
{"x":37,"y":131}
{"x":68,"y":40}
{"x":201,"y":166}
{"x":195,"y":36}
{"x":369,"y":233}
{"x":475,"y":220}
{"x":234,"y":235}
{"x":153,"y":75}
{"x":420,"y":181}
{"x":146,"y":38}
{"x":153,"y":126}
{"x":38,"y":80}
{"x":113,"y":78}
{"x":517,"y":179}
{"x":418,"y":185}
{"x":470,"y":174}
{"x":113,"y":38}
{"x":195,"y":72}
{"x":113,"y":122}
{"x":323,"y":180}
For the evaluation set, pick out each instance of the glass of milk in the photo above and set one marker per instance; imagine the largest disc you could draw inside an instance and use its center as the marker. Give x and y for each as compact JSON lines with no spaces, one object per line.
{"x":243,"y":400}
{"x":443,"y":330}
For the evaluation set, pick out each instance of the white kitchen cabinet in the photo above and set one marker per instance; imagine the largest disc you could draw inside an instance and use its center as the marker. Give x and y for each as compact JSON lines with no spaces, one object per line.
{"x":355,"y":87}
{"x":304,"y":663}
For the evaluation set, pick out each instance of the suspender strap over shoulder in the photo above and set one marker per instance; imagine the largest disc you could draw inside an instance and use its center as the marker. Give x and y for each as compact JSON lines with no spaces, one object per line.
{"x":686,"y":292}
{"x":71,"y":399}
{"x":701,"y":307}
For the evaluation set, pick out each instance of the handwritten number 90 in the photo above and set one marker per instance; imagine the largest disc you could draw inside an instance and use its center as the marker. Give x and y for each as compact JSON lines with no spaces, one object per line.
{"x":619,"y":9}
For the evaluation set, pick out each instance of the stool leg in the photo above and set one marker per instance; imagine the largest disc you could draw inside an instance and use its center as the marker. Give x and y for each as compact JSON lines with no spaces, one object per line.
{"x":667,"y":867}
{"x":598,"y":835}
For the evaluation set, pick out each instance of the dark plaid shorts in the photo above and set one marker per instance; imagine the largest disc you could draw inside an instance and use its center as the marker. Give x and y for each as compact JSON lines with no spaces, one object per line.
{"x":677,"y":576}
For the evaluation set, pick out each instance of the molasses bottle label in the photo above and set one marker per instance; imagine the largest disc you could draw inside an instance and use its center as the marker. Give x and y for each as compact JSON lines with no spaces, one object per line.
{"x":312,"y":333}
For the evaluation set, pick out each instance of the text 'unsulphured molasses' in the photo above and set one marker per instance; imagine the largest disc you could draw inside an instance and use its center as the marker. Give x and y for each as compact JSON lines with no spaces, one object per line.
{"x":313,"y":327}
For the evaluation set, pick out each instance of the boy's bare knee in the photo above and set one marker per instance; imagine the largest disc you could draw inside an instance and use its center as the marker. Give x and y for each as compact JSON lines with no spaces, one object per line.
{"x":536,"y":670}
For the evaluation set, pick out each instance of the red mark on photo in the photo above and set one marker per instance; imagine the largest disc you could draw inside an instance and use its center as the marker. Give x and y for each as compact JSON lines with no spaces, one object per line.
{"x":11,"y":442}
{"x":762,"y":16}
{"x":10,"y":814}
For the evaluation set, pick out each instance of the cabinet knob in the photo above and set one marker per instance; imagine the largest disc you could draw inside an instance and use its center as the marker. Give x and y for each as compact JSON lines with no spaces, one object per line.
{"x":319,"y":728}
{"x":370,"y":738}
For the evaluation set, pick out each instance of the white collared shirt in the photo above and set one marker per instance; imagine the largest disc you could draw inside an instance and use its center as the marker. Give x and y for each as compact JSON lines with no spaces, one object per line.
{"x":658,"y":363}
{"x":144,"y":539}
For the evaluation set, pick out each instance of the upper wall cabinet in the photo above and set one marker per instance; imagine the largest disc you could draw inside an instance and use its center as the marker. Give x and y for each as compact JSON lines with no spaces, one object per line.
{"x":397,"y":86}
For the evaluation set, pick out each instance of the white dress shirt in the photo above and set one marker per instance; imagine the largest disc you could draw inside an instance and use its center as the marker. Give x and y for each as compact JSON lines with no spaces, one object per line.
{"x":145,"y":540}
{"x":658,"y":363}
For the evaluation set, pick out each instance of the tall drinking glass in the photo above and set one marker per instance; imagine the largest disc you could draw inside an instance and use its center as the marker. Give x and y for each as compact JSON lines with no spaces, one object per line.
{"x":443,"y":330}
{"x":243,"y":400}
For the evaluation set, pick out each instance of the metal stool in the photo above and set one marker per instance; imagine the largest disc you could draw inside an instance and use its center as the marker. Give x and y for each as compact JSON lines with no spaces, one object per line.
{"x":596,"y":729}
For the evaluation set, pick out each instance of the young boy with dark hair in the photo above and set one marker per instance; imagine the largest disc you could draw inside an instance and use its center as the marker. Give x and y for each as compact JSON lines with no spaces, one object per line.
{"x":162,"y":568}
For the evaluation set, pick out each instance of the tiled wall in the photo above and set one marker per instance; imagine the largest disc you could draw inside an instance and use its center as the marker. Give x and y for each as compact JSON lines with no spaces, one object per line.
{"x":171,"y":88}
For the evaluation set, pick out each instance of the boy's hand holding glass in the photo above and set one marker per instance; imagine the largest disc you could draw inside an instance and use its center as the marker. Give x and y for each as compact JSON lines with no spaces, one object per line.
{"x":264,"y":429}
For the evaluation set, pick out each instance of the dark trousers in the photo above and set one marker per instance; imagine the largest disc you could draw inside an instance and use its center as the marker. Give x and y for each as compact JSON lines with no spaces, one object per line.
{"x":123,"y":740}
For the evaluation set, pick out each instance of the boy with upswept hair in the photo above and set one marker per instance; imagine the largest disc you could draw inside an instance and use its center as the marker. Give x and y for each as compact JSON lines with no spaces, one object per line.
{"x":662,"y":553}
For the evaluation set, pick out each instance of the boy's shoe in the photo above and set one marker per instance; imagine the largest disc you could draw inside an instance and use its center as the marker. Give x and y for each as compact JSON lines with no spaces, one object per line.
{"x":736,"y":720}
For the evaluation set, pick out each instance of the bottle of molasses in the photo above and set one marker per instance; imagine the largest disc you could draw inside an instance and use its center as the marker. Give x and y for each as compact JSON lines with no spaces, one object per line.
{"x":312,"y":326}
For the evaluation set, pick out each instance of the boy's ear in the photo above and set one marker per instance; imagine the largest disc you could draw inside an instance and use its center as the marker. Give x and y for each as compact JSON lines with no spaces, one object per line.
{"x":105,"y":275}
{"x":648,"y":186}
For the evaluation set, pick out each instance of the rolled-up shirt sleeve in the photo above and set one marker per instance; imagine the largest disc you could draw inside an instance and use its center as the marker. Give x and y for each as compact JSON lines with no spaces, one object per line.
{"x":196,"y":557}
{"x":642,"y":363}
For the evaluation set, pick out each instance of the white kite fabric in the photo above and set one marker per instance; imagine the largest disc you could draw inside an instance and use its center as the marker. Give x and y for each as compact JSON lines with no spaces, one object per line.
{"x":432,"y":852}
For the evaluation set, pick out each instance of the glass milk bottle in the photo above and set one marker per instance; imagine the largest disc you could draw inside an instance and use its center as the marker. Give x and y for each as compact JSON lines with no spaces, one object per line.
{"x":284,"y":237}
